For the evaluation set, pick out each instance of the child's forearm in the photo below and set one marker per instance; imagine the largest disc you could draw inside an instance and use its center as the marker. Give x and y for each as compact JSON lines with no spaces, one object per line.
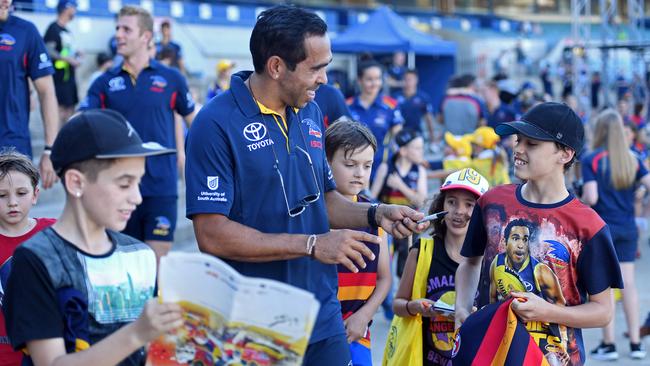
{"x":467,"y":276}
{"x":594,"y":314}
{"x":377,"y":297}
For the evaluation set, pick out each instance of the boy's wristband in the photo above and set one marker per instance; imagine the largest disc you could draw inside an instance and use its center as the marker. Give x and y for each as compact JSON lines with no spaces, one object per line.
{"x":47,"y":150}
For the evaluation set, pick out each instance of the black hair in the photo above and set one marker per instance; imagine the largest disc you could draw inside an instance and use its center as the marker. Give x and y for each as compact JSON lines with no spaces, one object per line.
{"x":437,"y":205}
{"x":518,"y":222}
{"x":412,"y":71}
{"x":365,"y":65}
{"x":569,"y":164}
{"x":90,"y":168}
{"x":281,"y":31}
{"x":348,"y":135}
{"x":102,"y":58}
{"x":466,"y":80}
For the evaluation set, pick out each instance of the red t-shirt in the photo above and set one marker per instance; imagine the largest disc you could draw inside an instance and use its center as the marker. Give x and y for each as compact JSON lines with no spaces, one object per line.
{"x":9,"y":357}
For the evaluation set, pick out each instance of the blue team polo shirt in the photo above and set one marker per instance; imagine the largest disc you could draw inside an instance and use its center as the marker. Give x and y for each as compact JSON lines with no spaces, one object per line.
{"x":615,"y":207}
{"x":380,"y":117}
{"x":231,"y":149}
{"x":414,"y":108}
{"x":331,"y":103}
{"x":148,"y":103}
{"x":22,"y":55}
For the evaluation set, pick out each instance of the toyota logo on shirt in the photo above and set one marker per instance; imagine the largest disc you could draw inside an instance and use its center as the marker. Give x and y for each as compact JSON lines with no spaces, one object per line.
{"x":254,"y":131}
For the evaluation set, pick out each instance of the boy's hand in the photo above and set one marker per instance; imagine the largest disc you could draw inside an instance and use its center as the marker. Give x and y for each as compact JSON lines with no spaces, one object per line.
{"x":157,"y":319}
{"x":356,"y":326}
{"x":530,"y":307}
{"x":48,"y":176}
{"x":345,"y":247}
{"x":400,"y":221}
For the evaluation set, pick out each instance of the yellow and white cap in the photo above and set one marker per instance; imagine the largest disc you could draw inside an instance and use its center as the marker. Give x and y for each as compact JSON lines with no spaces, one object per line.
{"x":467,"y":179}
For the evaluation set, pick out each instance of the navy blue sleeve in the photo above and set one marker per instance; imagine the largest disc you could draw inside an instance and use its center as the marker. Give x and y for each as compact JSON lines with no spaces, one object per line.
{"x":184,"y":101}
{"x":642,"y":171}
{"x":597,"y":264}
{"x":476,"y":237}
{"x":588,"y":174}
{"x":209,"y":170}
{"x":436,"y":165}
{"x":39,"y":63}
{"x":339,"y":108}
{"x":30,"y":303}
{"x":94,"y":98}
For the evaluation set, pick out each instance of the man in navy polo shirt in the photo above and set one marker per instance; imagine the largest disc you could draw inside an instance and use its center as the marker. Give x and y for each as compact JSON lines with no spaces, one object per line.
{"x":22,"y":56}
{"x":147,"y":93}
{"x":415,"y":105}
{"x":259,"y":189}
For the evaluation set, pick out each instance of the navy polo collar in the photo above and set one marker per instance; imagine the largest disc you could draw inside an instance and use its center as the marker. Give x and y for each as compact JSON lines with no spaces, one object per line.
{"x":242,"y":95}
{"x":375,"y":103}
{"x":117,"y":69}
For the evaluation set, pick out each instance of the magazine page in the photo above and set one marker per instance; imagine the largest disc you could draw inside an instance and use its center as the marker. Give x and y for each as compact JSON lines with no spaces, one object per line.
{"x":230,"y":319}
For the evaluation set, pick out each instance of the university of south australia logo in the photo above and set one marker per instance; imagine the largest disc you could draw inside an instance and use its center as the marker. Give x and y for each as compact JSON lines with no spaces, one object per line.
{"x":213,"y":183}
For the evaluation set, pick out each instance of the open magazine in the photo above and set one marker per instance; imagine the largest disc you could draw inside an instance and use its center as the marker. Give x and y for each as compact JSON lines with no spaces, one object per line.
{"x":231,"y":319}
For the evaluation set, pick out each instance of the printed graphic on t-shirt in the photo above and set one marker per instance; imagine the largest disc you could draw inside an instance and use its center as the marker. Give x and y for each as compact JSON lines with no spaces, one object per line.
{"x":441,"y":327}
{"x":119,"y":285}
{"x":536,"y":250}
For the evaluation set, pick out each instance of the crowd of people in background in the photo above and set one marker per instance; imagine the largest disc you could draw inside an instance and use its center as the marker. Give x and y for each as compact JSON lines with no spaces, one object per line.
{"x":503,"y":150}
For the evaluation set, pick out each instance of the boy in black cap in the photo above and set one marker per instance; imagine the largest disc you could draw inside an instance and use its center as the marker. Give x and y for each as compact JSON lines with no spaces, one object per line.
{"x":569,"y":238}
{"x":80,"y":293}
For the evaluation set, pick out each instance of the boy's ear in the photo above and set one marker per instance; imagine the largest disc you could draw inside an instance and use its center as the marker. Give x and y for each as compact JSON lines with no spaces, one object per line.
{"x":74,"y":181}
{"x":37,"y":191}
{"x":566,"y":155}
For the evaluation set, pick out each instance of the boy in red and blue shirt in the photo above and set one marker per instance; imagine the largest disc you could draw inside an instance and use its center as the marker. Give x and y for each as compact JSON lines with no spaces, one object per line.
{"x":565,"y":235}
{"x":350,"y":148}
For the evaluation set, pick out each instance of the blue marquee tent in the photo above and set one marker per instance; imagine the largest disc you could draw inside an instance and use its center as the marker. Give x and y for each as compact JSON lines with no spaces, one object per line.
{"x":387,"y":32}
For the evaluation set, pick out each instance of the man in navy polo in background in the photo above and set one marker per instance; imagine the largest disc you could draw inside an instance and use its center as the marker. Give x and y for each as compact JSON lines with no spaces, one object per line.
{"x":259,"y":190}
{"x":415,"y":105}
{"x":23,"y":56}
{"x":331,"y":102}
{"x":147,"y":93}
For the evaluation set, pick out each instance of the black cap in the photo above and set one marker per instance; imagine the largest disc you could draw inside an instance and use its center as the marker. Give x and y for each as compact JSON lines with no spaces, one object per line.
{"x":99,"y":134}
{"x":405,"y":135}
{"x":548,"y":122}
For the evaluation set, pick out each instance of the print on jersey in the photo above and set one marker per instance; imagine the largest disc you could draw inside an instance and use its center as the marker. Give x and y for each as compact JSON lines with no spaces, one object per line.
{"x":113,"y":298}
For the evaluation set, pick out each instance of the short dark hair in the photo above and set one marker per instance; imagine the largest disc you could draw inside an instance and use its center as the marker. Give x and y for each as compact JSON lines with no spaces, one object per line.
{"x":466,"y":80}
{"x":281,"y":31}
{"x":348,"y":135}
{"x":568,"y":165}
{"x":90,"y":168}
{"x":412,"y":71}
{"x":365,"y":65}
{"x":13,"y":161}
{"x":518,"y":222}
